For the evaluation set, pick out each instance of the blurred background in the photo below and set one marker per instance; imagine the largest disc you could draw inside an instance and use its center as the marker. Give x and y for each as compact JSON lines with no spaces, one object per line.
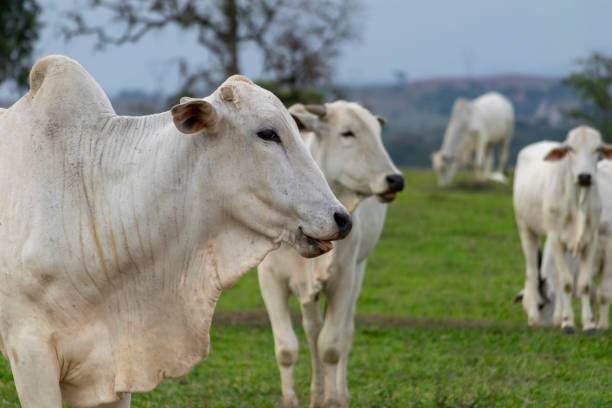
{"x":405,"y":60}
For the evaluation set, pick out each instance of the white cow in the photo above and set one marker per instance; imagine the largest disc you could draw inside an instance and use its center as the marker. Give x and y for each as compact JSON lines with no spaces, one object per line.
{"x":117,"y":234}
{"x":476,"y":127}
{"x":344,"y":138}
{"x":603,"y":259}
{"x":554,"y":196}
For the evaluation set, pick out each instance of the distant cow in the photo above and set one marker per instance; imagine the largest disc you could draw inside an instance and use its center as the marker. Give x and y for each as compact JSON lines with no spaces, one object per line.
{"x":344,"y":138}
{"x":554,"y":196}
{"x":475,"y":127}
{"x":118,"y":234}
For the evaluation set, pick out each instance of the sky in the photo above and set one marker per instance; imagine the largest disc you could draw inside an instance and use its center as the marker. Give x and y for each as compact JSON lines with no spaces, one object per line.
{"x":421,"y":38}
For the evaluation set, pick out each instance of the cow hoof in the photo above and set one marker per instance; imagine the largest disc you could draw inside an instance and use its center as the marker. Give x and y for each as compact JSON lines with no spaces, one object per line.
{"x":331,"y":403}
{"x":533,"y":321}
{"x":289,"y":402}
{"x":590,"y":332}
{"x":568,"y":330}
{"x":317,"y":403}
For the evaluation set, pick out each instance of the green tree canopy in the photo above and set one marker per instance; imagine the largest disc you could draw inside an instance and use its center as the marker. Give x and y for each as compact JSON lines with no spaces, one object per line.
{"x":19,"y":27}
{"x":594,"y":84}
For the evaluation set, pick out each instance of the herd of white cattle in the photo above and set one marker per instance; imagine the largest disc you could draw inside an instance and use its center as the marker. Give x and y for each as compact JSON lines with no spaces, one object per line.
{"x":561,"y":191}
{"x":118,"y":234}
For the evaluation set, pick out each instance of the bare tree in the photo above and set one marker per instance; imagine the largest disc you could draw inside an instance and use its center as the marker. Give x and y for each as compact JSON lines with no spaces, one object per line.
{"x":302,"y":52}
{"x":299,"y":39}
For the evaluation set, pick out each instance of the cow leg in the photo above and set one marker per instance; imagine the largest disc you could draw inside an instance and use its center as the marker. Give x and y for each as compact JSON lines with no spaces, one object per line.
{"x":547,"y":287}
{"x":604,"y":291}
{"x":124,"y":402}
{"x":276,"y":296}
{"x":481,"y":150}
{"x":548,"y":272}
{"x":488,"y":162}
{"x":503,"y":155}
{"x":347,"y":337}
{"x":565,"y":284}
{"x":585,"y":285}
{"x":312,"y":322}
{"x":331,"y":342}
{"x":531,"y":297}
{"x":35,"y":371}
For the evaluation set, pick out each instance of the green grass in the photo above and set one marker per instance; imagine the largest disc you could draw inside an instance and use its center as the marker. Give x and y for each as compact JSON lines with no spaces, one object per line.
{"x":437,"y":324}
{"x":444,"y":253}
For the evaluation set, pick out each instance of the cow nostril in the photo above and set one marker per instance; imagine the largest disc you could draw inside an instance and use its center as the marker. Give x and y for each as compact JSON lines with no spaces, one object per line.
{"x":396,"y":182}
{"x":584,"y":179}
{"x":344,"y":223}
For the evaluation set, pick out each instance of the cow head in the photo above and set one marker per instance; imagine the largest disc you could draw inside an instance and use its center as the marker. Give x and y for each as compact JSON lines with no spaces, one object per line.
{"x":445,"y":161}
{"x":581,"y":149}
{"x":349,"y":150}
{"x":259,"y":168}
{"x":445,"y":167}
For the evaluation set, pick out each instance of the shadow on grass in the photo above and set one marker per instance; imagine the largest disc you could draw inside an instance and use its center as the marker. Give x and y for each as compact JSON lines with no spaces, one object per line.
{"x":259,"y":318}
{"x":465,"y":182}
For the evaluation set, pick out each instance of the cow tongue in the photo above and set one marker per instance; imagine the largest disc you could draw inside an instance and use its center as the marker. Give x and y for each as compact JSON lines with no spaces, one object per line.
{"x":325,"y":245}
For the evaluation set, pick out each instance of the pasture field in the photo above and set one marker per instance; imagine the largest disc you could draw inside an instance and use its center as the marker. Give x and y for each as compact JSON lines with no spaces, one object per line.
{"x":436,"y":323}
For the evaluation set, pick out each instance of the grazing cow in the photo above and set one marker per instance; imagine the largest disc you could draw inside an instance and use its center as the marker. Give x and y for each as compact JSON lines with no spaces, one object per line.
{"x":344,"y":139}
{"x":117,"y":234}
{"x":475,"y":127}
{"x":554,"y":196}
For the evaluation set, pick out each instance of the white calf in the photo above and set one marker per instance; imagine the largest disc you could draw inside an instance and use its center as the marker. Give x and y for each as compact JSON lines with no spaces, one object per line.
{"x":604,"y":291}
{"x":603,"y":258}
{"x":554,"y":196}
{"x":346,"y":144}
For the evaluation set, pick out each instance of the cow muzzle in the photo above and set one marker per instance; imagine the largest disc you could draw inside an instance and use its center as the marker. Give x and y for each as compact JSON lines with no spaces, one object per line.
{"x":395,"y":183}
{"x":344,"y":223}
{"x":584,"y":180}
{"x":309,"y":245}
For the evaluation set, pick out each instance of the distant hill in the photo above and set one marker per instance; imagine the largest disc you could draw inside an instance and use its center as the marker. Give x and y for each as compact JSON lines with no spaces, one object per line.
{"x":417,"y":111}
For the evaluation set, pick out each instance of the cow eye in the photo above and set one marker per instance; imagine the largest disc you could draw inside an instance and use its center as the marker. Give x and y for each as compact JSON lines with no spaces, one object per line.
{"x":348,"y":133}
{"x":269,"y":135}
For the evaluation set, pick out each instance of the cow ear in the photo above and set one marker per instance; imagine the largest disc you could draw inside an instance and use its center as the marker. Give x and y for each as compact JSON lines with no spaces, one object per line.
{"x":606,"y":151}
{"x":308,"y":117}
{"x":557,"y":153}
{"x":185,"y":99}
{"x":381,"y":120}
{"x":319,"y":110}
{"x":194,"y":116}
